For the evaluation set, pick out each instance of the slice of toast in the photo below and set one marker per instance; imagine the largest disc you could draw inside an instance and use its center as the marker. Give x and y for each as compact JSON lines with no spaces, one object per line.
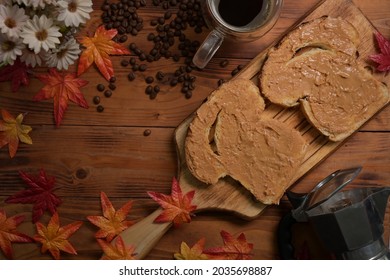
{"x":315,"y":65}
{"x":229,"y":137}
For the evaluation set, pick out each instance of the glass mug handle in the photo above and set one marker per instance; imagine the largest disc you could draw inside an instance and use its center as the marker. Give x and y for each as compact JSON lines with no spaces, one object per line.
{"x":208,"y":48}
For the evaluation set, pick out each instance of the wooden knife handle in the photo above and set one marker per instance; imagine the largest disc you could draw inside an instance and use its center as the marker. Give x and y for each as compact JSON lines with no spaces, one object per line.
{"x":145,"y":234}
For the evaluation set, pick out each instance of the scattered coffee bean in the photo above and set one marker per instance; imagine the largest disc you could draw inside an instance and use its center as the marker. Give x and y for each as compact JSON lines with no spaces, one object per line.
{"x":149,"y":89}
{"x":132,"y":61}
{"x":112,"y":79}
{"x":108,"y":93}
{"x":100,"y":108}
{"x":149,"y":79}
{"x":131,"y":76}
{"x":96,"y":100}
{"x":224,"y":63}
{"x":147,"y":132}
{"x":156,"y":89}
{"x":112,"y":86}
{"x":100,"y":87}
{"x":124,"y":62}
{"x":142,"y":67}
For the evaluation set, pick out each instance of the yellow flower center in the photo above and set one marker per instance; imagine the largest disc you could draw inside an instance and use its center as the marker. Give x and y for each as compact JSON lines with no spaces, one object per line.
{"x":41,"y":35}
{"x":10,"y":23}
{"x":72,"y":7}
{"x":8,"y":46}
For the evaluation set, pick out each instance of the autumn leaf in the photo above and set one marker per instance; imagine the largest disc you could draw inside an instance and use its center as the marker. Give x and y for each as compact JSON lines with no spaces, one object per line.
{"x":12,"y":131}
{"x":40,"y":193}
{"x":193,"y":253}
{"x":112,"y":222}
{"x":98,"y":51}
{"x":55,"y":238}
{"x":62,"y":88}
{"x":117,"y":250}
{"x":16,"y":73}
{"x":177,"y":207}
{"x":383,"y":58}
{"x":233,"y":249}
{"x":9,"y":234}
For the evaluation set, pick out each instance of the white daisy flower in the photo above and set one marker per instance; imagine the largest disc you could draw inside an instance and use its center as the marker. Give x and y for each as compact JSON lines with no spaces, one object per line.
{"x":64,"y":56}
{"x":37,"y":3}
{"x":29,"y":57}
{"x":74,"y":12}
{"x":12,"y":20}
{"x":6,"y":2}
{"x":10,"y":49}
{"x":40,"y":33}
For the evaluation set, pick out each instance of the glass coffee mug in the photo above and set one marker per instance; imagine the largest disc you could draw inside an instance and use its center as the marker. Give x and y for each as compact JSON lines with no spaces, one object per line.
{"x":238,"y":20}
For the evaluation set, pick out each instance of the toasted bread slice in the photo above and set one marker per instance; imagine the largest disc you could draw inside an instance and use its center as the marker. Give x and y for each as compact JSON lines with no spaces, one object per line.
{"x":262,"y":154}
{"x":337,"y":95}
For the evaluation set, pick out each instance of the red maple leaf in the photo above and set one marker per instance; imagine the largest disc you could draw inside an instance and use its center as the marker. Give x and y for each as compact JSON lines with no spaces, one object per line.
{"x":62,"y":88}
{"x":177,"y":207}
{"x":98,"y":50}
{"x":9,"y":234}
{"x":40,"y":194}
{"x":233,"y":248}
{"x":383,"y":58}
{"x":112,"y":222}
{"x":16,"y":73}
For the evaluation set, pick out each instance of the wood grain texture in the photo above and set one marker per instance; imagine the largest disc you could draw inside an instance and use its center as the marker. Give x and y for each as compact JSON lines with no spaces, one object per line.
{"x":93,"y":152}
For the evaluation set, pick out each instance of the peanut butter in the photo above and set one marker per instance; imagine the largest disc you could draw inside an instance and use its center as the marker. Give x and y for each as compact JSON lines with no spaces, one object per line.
{"x":262,"y":154}
{"x":337,"y":94}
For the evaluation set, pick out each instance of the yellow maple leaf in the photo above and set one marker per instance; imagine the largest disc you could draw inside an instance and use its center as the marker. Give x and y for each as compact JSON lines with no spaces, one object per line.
{"x":193,"y":253}
{"x":112,"y":222}
{"x":12,"y":131}
{"x":98,"y":50}
{"x":117,"y":250}
{"x":55,"y":238}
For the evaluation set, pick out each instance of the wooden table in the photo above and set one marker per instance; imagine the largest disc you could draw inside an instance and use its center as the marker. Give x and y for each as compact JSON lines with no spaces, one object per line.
{"x":92,"y":152}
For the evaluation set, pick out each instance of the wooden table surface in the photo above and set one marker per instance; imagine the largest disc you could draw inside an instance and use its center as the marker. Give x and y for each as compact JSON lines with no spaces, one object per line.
{"x":92,"y":152}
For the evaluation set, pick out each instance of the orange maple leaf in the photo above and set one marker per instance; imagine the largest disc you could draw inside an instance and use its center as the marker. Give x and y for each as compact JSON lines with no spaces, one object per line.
{"x":55,"y":238}
{"x":117,"y":250}
{"x":9,"y":234}
{"x":233,"y":248}
{"x":98,"y":50}
{"x":112,"y":222}
{"x":177,"y":207}
{"x":193,"y":253}
{"x":12,"y":131}
{"x":62,"y":88}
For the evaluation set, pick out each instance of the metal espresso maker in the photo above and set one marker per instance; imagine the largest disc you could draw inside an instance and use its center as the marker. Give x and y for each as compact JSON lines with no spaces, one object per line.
{"x":349,"y":223}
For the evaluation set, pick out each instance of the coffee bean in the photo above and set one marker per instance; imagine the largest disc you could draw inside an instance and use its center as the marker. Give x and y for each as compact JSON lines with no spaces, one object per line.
{"x":147,"y":132}
{"x":100,"y":108}
{"x":149,"y":79}
{"x":112,"y":79}
{"x":156,"y":89}
{"x":131,"y":76}
{"x":149,"y":89}
{"x":174,"y":82}
{"x":132,"y":61}
{"x":142,"y":67}
{"x":96,"y":99}
{"x":112,"y":86}
{"x":108,"y":93}
{"x":224,"y":63}
{"x":124,"y":62}
{"x":100,"y":87}
{"x":160,"y":75}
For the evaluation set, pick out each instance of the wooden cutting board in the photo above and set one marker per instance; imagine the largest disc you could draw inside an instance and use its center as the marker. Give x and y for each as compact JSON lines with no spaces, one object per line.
{"x":228,"y":195}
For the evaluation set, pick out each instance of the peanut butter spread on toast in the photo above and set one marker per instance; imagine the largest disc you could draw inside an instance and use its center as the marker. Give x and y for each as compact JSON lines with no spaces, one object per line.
{"x":316,"y":66}
{"x":228,"y":137}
